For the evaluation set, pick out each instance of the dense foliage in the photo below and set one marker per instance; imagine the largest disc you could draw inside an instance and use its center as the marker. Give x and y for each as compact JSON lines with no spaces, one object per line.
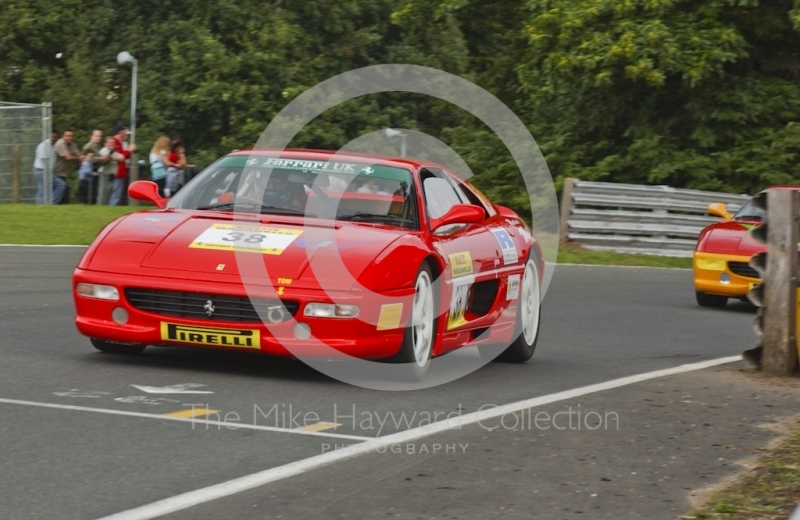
{"x":691,"y":93}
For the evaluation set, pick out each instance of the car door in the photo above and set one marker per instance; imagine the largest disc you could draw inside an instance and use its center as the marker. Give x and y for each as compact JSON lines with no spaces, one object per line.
{"x":468,"y":249}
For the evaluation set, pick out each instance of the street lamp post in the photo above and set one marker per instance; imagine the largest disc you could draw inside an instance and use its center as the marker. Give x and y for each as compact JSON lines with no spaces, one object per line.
{"x":391,"y":132}
{"x":123,"y":58}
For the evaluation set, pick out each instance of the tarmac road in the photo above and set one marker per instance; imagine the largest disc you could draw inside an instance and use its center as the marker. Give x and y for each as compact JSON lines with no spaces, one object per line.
{"x":599,"y":324}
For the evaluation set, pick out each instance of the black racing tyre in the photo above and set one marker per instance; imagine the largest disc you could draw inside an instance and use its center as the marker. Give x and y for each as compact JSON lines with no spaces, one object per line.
{"x":710,"y":300}
{"x":117,"y":348}
{"x":529,"y":317}
{"x":420,"y":333}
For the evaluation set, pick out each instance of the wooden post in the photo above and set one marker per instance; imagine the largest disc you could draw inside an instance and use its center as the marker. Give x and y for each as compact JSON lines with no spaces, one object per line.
{"x":15,"y":175}
{"x":780,"y":283}
{"x":566,"y":206}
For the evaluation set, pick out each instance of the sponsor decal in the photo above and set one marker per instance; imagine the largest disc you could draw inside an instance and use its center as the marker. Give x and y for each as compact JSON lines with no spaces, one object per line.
{"x":525,"y":234}
{"x":309,"y":166}
{"x":460,"y":263}
{"x":507,"y":245}
{"x":459,"y":302}
{"x":512,"y":291}
{"x":390,"y":316}
{"x":210,"y":336}
{"x":250,"y":239}
{"x":220,"y":267}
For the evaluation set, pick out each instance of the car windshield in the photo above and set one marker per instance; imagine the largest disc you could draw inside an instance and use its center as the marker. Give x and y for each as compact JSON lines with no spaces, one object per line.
{"x":361,"y":192}
{"x":748,"y":212}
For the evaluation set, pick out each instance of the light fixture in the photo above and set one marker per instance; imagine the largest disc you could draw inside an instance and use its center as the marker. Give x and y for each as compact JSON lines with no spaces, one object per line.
{"x":391,"y":132}
{"x":100,"y":292}
{"x":124,"y":57}
{"x":330,"y":310}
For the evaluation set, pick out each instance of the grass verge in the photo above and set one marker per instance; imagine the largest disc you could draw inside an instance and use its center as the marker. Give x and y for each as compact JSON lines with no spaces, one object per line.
{"x":572,"y":254}
{"x":770,"y":490}
{"x":68,"y":224}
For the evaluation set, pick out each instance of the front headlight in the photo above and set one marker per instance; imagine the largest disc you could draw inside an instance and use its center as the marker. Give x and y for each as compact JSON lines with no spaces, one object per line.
{"x":710,"y":265}
{"x":101,"y":292}
{"x":330,"y":310}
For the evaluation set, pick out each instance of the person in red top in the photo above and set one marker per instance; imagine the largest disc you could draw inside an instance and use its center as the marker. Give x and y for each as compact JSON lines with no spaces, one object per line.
{"x":119,"y":192}
{"x":175,"y":176}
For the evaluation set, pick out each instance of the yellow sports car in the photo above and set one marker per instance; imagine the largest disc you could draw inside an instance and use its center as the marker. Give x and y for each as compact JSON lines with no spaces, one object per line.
{"x":722,"y":256}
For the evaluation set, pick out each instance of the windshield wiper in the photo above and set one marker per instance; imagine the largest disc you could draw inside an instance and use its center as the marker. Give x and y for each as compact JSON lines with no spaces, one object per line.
{"x":264,"y":208}
{"x":361,"y":216}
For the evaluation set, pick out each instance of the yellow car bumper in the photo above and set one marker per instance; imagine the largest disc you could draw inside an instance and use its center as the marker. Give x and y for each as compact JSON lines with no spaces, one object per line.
{"x":713,"y":274}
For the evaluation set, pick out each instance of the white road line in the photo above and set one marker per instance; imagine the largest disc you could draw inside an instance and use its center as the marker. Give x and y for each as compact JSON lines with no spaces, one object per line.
{"x":231,"y":487}
{"x":230,"y":425}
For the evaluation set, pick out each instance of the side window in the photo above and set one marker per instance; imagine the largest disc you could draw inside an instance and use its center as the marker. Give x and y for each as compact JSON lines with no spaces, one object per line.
{"x":476,"y":198}
{"x":440,"y":196}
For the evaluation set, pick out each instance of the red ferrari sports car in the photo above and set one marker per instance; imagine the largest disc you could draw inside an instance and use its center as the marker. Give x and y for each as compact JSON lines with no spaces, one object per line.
{"x":430,"y":263}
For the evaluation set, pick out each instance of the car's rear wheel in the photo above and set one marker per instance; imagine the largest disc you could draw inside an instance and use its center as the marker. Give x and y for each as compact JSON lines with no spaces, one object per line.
{"x":529,"y":316}
{"x":710,"y":300}
{"x":117,"y":348}
{"x":418,"y":339}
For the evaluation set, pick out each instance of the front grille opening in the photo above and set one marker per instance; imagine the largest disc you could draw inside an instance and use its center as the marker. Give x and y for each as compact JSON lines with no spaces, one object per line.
{"x":483,"y":296}
{"x":742,"y":269}
{"x":235,"y":309}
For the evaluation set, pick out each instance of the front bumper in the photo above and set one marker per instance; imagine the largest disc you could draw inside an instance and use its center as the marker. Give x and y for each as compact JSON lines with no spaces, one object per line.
{"x":707,"y":270}
{"x":357,"y":337}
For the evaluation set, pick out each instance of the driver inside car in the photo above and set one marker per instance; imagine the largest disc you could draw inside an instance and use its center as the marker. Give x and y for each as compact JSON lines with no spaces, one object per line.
{"x":276,"y":191}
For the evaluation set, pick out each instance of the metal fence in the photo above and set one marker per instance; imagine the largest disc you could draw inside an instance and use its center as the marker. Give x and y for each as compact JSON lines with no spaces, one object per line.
{"x":629,"y":218}
{"x":22,"y":128}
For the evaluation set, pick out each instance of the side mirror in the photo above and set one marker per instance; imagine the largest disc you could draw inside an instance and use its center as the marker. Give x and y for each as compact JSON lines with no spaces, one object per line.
{"x":148,"y":192}
{"x":718,"y":209}
{"x":459,"y":214}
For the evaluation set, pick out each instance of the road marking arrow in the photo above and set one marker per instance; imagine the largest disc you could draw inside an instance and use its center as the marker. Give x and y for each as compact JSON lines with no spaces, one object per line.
{"x":185,"y":388}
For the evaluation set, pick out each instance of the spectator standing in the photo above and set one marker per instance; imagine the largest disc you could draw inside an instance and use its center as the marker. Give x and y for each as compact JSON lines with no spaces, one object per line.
{"x":160,"y":161}
{"x":109,"y":169}
{"x":119,"y":191}
{"x":87,"y":189}
{"x":66,"y":152}
{"x":45,"y":158}
{"x":175,"y":177}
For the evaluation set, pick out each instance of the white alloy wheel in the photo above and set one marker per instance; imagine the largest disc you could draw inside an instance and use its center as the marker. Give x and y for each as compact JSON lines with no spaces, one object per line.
{"x":422,"y":319}
{"x":530,"y":302}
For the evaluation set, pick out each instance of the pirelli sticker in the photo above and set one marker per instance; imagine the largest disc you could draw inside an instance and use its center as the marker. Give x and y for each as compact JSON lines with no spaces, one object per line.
{"x":210,"y":336}
{"x":250,"y":239}
{"x":460,"y":263}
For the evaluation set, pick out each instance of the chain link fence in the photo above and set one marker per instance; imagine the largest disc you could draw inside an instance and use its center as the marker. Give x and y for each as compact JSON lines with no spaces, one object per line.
{"x":22,"y":128}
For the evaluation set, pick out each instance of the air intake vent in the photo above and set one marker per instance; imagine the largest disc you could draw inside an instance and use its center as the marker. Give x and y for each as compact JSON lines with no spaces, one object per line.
{"x":235,"y":309}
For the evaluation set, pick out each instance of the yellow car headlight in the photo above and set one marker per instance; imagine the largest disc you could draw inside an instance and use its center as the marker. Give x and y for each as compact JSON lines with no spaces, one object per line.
{"x":710,"y":265}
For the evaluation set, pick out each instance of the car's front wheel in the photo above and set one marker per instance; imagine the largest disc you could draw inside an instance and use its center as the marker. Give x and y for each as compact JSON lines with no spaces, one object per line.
{"x":710,"y":300}
{"x":420,"y":333}
{"x":117,"y":348}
